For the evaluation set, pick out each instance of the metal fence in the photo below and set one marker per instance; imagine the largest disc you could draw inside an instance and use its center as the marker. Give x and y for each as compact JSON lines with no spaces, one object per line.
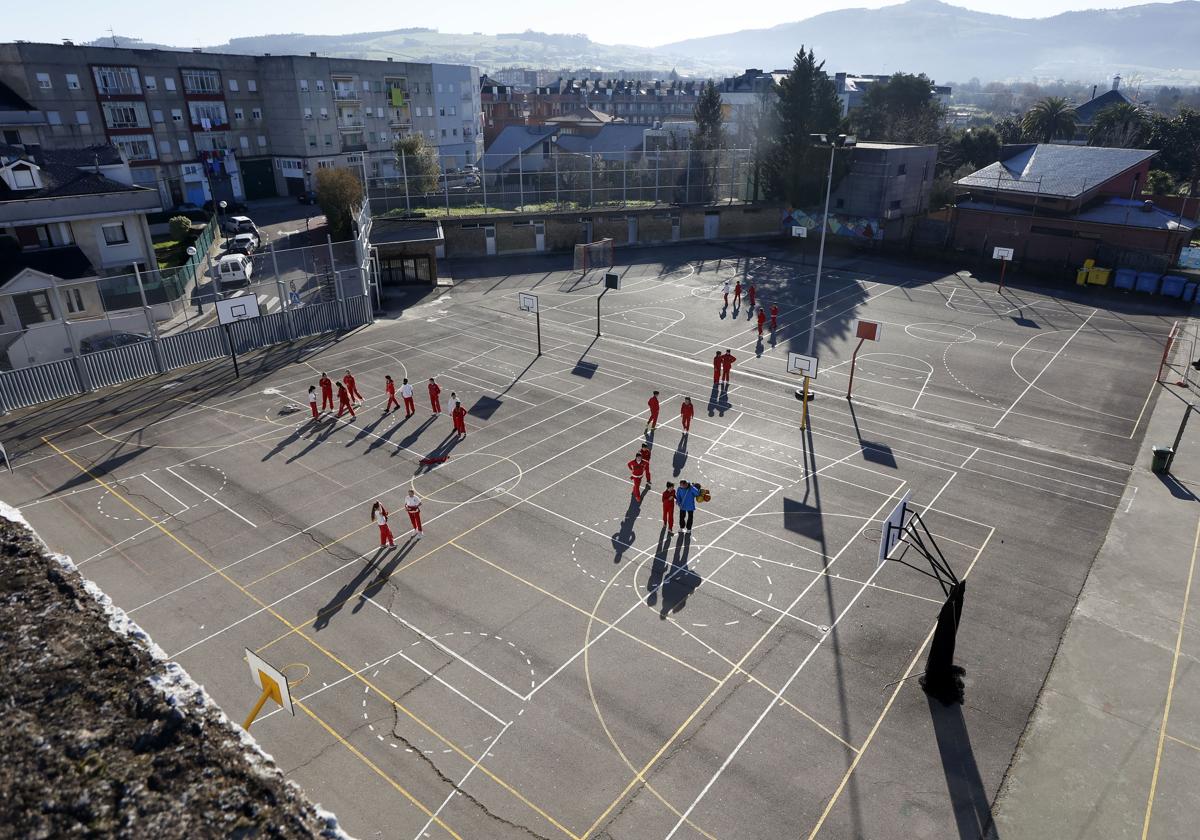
{"x":547,"y":177}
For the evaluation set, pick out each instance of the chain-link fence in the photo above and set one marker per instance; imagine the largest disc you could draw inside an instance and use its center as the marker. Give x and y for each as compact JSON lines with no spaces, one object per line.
{"x":549,"y":178}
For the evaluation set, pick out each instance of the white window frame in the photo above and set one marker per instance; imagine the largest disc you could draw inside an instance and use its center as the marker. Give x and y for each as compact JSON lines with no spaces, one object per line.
{"x":72,"y":81}
{"x":256,"y":113}
{"x":82,"y":118}
{"x":74,"y":306}
{"x":244,"y":142}
{"x":320,"y":85}
{"x":262,"y":142}
{"x":44,"y":83}
{"x":150,"y":82}
{"x":177,"y":115}
{"x":303,"y":85}
{"x":53,"y":118}
{"x":157,"y":116}
{"x":239,"y":114}
{"x":164,"y":147}
{"x":169,"y":82}
{"x":183,"y":147}
{"x":104,"y":229}
{"x":233,"y":86}
{"x":252,"y":85}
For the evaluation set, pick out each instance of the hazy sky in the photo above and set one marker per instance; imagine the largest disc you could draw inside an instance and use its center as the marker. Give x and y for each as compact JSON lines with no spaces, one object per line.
{"x":611,"y":21}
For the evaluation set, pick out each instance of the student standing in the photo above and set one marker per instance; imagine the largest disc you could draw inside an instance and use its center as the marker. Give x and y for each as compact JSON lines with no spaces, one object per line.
{"x":312,"y":400}
{"x":652,"y":423}
{"x":686,"y":497}
{"x":435,"y":393}
{"x":326,"y":392}
{"x":737,"y":293}
{"x":718,"y":362}
{"x":406,"y":393}
{"x":390,"y":388}
{"x":644,"y":452}
{"x":686,"y":410}
{"x":727,"y":360}
{"x":751,"y":292}
{"x":637,"y":468}
{"x":726,"y":288}
{"x":352,"y":388}
{"x":459,"y":416}
{"x":668,"y":500}
{"x":379,"y":516}
{"x":762,"y":319}
{"x":774,"y":317}
{"x":344,"y":401}
{"x":412,"y":504}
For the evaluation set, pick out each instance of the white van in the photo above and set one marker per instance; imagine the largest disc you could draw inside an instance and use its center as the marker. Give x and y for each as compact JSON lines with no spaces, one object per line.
{"x":234,"y":270}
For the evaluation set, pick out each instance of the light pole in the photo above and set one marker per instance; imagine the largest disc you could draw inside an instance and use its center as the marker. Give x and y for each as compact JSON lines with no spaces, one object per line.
{"x":221,"y":205}
{"x":842,"y":141}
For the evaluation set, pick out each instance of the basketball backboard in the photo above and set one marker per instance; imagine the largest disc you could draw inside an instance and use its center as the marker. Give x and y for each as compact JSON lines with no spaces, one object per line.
{"x":268,"y":678}
{"x":1002,"y":253}
{"x":237,"y":309}
{"x":612,"y":280}
{"x":801,"y":365}
{"x":527,"y":302}
{"x":892,"y":527}
{"x":868,"y":330}
{"x":799,"y":232}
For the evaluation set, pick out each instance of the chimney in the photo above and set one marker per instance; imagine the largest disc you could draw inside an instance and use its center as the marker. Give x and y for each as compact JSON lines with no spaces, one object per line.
{"x":67,"y":42}
{"x":312,"y":54}
{"x":1094,"y":91}
{"x":389,"y":58}
{"x":1116,"y":82}
{"x":196,"y":49}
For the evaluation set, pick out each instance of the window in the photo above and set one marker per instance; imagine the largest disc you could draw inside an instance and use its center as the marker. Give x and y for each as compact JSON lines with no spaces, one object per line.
{"x":443,"y":132}
{"x":244,"y":142}
{"x":169,"y":83}
{"x":207,"y":114}
{"x":251,"y":85}
{"x":324,"y":113}
{"x":328,"y":139}
{"x":429,"y":111}
{"x":74,"y":299}
{"x":441,"y":112}
{"x":201,"y":81}
{"x":23,"y":178}
{"x":114,"y":234}
{"x":72,"y":81}
{"x":895,"y":205}
{"x":902,"y":169}
{"x":312,"y":141}
{"x":371,"y":136}
{"x":320,"y":85}
{"x":454,"y":110}
{"x":366,"y":86}
{"x":164,"y":147}
{"x":308,"y":113}
{"x":43,"y":80}
{"x":116,"y":80}
{"x":439,"y":87}
{"x":81,"y":118}
{"x":176,"y":115}
{"x":135,"y":146}
{"x":124,"y":114}
{"x":453,"y":131}
{"x":256,"y":114}
{"x":304,"y":84}
{"x":238,"y":114}
{"x":233,"y":86}
{"x":151,"y":82}
{"x":262,"y":142}
{"x":33,"y":308}
{"x":53,"y":118}
{"x":183,"y":147}
{"x":432,"y":134}
{"x":157,"y":115}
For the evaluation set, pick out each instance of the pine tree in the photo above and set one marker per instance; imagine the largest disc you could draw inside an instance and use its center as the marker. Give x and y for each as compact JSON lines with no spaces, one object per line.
{"x":808,"y":104}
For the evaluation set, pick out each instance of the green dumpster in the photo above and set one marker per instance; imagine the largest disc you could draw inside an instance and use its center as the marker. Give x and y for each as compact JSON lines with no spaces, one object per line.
{"x":1160,"y":462}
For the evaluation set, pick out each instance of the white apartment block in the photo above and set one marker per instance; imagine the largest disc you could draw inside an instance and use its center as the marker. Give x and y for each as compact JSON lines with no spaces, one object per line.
{"x":198,"y":125}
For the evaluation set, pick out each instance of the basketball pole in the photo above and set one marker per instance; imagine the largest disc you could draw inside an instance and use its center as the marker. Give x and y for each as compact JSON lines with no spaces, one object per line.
{"x":1003,"y":266}
{"x":598,"y":311}
{"x":538,"y":315}
{"x":853,"y":362}
{"x":804,"y":411}
{"x":237,"y":374}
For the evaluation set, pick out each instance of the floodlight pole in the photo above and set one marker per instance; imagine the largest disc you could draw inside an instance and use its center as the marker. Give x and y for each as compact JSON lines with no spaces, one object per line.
{"x":812,"y":328}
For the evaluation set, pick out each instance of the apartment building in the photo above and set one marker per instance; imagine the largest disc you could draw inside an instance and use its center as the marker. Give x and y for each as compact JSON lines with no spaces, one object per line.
{"x":635,"y":102}
{"x":199,"y":126}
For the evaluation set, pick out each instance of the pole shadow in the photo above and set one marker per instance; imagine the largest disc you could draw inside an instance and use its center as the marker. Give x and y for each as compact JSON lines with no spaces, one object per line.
{"x":968,"y":796}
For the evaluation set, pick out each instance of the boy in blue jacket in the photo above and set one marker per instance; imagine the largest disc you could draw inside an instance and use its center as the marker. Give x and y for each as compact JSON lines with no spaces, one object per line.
{"x":686,"y":497}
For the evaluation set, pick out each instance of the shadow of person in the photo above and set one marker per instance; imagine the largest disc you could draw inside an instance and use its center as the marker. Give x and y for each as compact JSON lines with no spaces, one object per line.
{"x":722,"y":402}
{"x":658,"y":567}
{"x":623,"y":539}
{"x":327,"y":612}
{"x":435,"y":456}
{"x":290,"y":439}
{"x":367,"y":429}
{"x":406,"y":441}
{"x":323,"y":429}
{"x":758,"y":348}
{"x":680,"y":582}
{"x":385,"y":574}
{"x":712,"y":398}
{"x":681,"y":455}
{"x":968,"y":794}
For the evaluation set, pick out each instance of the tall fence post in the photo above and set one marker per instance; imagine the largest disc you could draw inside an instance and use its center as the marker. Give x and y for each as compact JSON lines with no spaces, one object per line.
{"x":591,"y":180}
{"x":556,"y":202}
{"x":445,"y":186}
{"x":521,"y":180}
{"x":687,"y":178}
{"x":85,"y":381}
{"x":337,"y":286}
{"x":150,"y":322}
{"x":284,"y":301}
{"x":624,"y":178}
{"x":483,"y":180}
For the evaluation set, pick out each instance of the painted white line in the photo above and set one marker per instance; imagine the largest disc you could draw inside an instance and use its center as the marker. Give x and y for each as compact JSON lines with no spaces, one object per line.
{"x":1043,"y":370}
{"x":454,"y":791}
{"x":211,"y":496}
{"x":168,"y":492}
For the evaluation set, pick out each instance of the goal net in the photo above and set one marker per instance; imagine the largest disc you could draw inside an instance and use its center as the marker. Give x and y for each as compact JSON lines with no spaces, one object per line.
{"x":594,"y":255}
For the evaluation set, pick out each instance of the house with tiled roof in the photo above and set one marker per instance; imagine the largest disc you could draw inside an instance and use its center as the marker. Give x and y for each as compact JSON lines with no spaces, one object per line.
{"x":1057,"y":205}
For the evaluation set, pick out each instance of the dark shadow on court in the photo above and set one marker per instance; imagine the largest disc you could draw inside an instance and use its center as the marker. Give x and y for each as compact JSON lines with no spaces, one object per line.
{"x":408,"y":440}
{"x":680,"y":457}
{"x":623,"y":539}
{"x":327,"y":612}
{"x":1178,"y":489}
{"x":385,"y":573}
{"x":435,"y":456}
{"x":485,"y":407}
{"x":320,"y":432}
{"x":972,"y":812}
{"x":97,"y":470}
{"x":658,"y":567}
{"x":368,"y":428}
{"x":876,"y":453}
{"x":679,"y":582}
{"x":1025,"y":322}
{"x":284,"y":443}
{"x":803,"y":519}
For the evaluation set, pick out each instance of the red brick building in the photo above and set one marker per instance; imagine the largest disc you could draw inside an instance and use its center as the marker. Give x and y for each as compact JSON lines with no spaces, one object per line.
{"x":1057,"y":205}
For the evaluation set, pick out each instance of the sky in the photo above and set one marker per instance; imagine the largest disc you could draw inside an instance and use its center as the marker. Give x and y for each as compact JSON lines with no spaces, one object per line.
{"x":610,"y":22}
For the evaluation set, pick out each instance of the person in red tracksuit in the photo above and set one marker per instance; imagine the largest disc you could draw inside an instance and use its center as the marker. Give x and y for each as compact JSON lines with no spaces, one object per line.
{"x":406,"y":394}
{"x":737,"y":293}
{"x":644,"y":454}
{"x":312,"y":400}
{"x":750,"y":295}
{"x":652,"y":423}
{"x":727,"y":360}
{"x":390,"y":389}
{"x":637,"y":468}
{"x":686,"y":410}
{"x":379,"y":516}
{"x":352,"y":388}
{"x":344,"y":401}
{"x":717,"y":364}
{"x":774,"y":317}
{"x":762,"y":319}
{"x":326,"y":391}
{"x":435,"y":396}
{"x":668,"y":499}
{"x":459,"y":415}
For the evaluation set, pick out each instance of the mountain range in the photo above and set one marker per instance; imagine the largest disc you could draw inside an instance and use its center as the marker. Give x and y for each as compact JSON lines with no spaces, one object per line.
{"x":1149,"y":44}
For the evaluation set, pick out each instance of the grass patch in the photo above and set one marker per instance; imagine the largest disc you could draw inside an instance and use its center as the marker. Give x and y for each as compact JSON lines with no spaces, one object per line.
{"x":171,"y":252}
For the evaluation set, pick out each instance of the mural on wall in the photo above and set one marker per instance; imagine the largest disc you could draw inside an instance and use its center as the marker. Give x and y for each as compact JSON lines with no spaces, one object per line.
{"x":1190,"y":257}
{"x":851,"y":227}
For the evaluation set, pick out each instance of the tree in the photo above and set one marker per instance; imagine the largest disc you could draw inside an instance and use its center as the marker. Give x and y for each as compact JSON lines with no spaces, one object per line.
{"x":707,"y":114}
{"x":1050,"y":119}
{"x":418,"y":162}
{"x":980,"y":146}
{"x":901,"y":110}
{"x":1120,"y":125}
{"x":1159,"y":182}
{"x":1010,"y":130}
{"x":181,"y":228}
{"x":338,"y":192}
{"x":1178,"y":143}
{"x":807,"y":104}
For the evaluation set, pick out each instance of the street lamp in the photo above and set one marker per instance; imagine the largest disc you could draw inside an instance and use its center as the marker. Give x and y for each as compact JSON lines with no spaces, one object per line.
{"x":834,"y":143}
{"x":191,"y":252}
{"x":221,"y":205}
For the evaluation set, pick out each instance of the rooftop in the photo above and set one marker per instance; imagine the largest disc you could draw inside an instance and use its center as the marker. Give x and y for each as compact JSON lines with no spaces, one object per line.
{"x":1052,"y":170}
{"x":66,"y":172}
{"x":1113,"y":211}
{"x":67,"y":263}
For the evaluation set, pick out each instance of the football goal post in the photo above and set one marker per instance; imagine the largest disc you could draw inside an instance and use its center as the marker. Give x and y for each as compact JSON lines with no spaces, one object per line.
{"x":594,"y":255}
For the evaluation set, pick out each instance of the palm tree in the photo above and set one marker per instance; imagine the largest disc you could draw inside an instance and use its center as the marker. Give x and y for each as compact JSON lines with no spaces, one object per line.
{"x":1050,"y":119}
{"x":1120,"y":125}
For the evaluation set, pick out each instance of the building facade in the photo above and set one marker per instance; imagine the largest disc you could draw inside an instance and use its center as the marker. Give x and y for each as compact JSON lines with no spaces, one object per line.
{"x":199,"y":126}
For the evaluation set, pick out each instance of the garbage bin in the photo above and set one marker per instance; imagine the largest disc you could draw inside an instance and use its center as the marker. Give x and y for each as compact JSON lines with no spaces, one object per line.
{"x":1160,"y":462}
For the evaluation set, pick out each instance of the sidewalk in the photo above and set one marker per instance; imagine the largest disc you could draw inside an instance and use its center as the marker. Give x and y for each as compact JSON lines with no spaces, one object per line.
{"x":1112,"y":749}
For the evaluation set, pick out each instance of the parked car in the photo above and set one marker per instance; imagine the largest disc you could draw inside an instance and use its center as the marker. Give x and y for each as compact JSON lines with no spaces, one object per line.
{"x":240,"y":224}
{"x":242,"y":243}
{"x":107,"y":341}
{"x":234,"y":270}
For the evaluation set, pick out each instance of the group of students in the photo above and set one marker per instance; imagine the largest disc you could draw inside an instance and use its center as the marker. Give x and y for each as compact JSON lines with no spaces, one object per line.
{"x":379,"y":515}
{"x":751,"y":298}
{"x":687,"y":494}
{"x":348,"y":396}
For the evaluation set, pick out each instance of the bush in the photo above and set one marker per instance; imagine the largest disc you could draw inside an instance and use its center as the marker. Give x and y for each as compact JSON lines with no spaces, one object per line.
{"x":181,"y":228}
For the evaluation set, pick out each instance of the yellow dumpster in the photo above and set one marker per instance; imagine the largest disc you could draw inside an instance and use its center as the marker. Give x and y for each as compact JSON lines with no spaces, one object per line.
{"x":1089,"y":263}
{"x":1099,"y":276}
{"x":1081,"y":277}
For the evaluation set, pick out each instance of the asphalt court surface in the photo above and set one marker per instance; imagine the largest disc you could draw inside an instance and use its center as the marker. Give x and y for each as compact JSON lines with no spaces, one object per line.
{"x":547,"y":660}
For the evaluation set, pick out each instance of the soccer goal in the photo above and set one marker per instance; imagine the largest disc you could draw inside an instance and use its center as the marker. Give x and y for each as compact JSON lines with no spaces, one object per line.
{"x":594,"y":255}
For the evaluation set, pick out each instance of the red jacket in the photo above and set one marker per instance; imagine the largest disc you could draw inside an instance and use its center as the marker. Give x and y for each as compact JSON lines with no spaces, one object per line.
{"x":727,"y":361}
{"x":762,"y":316}
{"x":718,"y":360}
{"x":636,"y":468}
{"x":645,"y":453}
{"x":737,"y":287}
{"x":459,"y":412}
{"x":668,"y":497}
{"x":349,"y":380}
{"x":434,"y":390}
{"x":390,"y":388}
{"x":686,"y":410}
{"x":653,"y":403}
{"x":774,"y":310}
{"x":326,"y":385}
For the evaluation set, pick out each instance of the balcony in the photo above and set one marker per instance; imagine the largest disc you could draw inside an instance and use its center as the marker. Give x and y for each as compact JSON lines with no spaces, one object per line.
{"x":355,"y":124}
{"x":345,"y":95}
{"x":119,"y":89}
{"x":400,"y":122}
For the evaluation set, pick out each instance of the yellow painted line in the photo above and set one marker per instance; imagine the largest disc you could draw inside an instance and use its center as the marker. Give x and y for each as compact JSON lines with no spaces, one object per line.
{"x":1187,"y":744}
{"x":298,"y":631}
{"x":1162,"y":730}
{"x":887,"y":707}
{"x":312,"y":553}
{"x":358,"y":754}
